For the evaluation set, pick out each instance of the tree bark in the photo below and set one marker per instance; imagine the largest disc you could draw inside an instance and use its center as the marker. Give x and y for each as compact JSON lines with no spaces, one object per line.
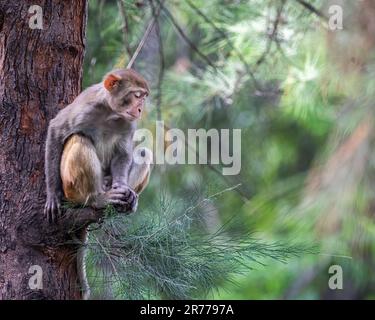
{"x":40,"y":73}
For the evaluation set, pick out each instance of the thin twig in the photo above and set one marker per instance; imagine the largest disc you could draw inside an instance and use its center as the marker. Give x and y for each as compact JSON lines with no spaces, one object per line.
{"x":273,"y":34}
{"x":145,"y":36}
{"x":230,"y":43}
{"x":161,"y":72}
{"x":125,"y":27}
{"x":141,"y":43}
{"x":191,"y":43}
{"x":162,"y":64}
{"x":185,"y":37}
{"x":311,"y":8}
{"x":204,"y":200}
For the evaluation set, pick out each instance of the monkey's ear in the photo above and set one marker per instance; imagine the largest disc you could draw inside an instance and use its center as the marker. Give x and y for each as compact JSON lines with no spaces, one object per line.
{"x":111,"y":81}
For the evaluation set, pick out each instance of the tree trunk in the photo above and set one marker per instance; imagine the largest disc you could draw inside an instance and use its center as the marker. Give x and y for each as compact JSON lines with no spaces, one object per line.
{"x":40,"y":73}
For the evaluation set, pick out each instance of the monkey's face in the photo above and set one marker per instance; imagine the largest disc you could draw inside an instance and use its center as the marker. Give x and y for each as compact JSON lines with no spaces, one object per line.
{"x":132,"y":104}
{"x":127,"y":93}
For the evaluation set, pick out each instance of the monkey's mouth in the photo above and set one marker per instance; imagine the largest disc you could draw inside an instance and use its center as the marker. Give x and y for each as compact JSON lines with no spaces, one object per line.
{"x":131,"y":116}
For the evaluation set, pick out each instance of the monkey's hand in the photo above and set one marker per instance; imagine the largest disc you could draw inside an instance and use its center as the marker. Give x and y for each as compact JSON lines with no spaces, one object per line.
{"x":128,"y":200}
{"x":122,"y":198}
{"x":52,"y":208}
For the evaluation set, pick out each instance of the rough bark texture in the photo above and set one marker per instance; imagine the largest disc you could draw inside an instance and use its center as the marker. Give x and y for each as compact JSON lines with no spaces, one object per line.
{"x":40,"y":73}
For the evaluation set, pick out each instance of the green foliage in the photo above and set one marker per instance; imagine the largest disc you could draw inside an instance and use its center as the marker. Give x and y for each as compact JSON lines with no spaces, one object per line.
{"x":164,"y":252}
{"x":298,"y":103}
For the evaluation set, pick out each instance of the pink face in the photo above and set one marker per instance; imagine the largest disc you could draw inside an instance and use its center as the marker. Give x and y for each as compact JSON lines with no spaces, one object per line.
{"x":127,"y":94}
{"x":133,"y":104}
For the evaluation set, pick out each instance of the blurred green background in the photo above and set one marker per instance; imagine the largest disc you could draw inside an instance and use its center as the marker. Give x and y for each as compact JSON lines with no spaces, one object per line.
{"x":303,"y":95}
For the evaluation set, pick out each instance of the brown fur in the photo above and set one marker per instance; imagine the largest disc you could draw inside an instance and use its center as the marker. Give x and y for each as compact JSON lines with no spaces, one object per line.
{"x":80,"y":169}
{"x":81,"y":172}
{"x":136,"y":182}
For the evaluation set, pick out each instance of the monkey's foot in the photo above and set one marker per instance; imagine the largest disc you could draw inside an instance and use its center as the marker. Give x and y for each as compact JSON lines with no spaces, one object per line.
{"x":52,"y":208}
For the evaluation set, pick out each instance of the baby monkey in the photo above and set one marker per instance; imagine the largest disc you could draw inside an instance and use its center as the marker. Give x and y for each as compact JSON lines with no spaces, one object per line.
{"x":89,"y":148}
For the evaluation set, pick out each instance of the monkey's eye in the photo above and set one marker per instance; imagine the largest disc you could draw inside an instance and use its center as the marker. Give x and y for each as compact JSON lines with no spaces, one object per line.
{"x":138,"y":94}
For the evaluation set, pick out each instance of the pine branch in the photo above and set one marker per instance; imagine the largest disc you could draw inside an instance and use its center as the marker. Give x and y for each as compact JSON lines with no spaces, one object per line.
{"x":166,"y":253}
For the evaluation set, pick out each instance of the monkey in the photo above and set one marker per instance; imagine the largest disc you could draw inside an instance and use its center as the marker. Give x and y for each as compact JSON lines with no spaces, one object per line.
{"x":89,"y":151}
{"x":89,"y":147}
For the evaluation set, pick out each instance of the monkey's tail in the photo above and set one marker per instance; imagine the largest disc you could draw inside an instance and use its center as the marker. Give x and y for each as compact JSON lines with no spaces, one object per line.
{"x":81,"y":268}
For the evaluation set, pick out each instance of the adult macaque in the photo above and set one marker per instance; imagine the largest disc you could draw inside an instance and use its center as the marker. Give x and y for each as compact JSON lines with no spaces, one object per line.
{"x":89,"y":150}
